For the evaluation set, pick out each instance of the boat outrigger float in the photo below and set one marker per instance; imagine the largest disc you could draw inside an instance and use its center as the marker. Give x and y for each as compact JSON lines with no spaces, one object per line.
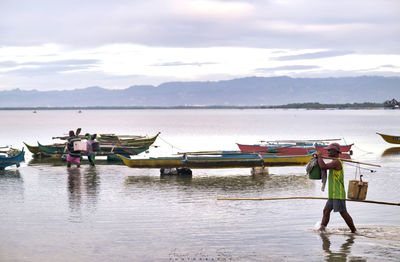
{"x":222,"y":159}
{"x":307,"y":197}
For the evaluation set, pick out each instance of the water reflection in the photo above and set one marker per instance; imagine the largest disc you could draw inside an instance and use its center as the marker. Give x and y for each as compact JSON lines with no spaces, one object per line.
{"x":392,"y":151}
{"x":37,"y":161}
{"x":74,"y":188}
{"x":92,"y":182}
{"x":343,"y":253}
{"x":12,"y":185}
{"x":226,"y":183}
{"x":83,"y":189}
{"x":10,"y":174}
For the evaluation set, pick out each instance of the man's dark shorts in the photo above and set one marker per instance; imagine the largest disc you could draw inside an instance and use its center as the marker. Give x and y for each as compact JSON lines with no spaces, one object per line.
{"x":338,"y":205}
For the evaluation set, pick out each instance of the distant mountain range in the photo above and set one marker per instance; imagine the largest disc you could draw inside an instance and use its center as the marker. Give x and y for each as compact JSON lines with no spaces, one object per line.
{"x":249,"y":91}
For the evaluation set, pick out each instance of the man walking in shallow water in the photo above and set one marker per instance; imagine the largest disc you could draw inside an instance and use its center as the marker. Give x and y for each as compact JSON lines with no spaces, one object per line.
{"x":73,"y":156}
{"x":336,"y":194}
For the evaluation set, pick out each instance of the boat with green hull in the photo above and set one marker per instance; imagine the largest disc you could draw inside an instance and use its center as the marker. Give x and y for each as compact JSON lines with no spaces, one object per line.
{"x":54,"y":149}
{"x":127,"y":140}
{"x":110,"y":145}
{"x":33,"y":149}
{"x":57,"y":150}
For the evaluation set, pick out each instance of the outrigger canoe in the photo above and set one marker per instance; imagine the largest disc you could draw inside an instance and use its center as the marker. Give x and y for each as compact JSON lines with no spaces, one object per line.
{"x":343,"y":148}
{"x":127,"y":141}
{"x":299,"y":148}
{"x":33,"y":149}
{"x":11,"y":159}
{"x":224,"y":160}
{"x":106,"y":150}
{"x":284,"y":149}
{"x":46,"y":150}
{"x":390,"y":139}
{"x":57,"y":150}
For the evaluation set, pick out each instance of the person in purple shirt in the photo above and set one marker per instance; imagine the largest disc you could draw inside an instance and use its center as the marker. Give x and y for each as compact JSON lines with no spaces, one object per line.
{"x":89,"y":152}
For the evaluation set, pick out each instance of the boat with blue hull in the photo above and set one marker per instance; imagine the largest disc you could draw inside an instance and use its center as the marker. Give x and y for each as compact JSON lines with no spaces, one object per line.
{"x":14,"y":157}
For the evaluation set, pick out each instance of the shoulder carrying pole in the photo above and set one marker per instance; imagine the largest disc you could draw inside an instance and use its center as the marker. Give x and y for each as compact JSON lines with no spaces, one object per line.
{"x":352,"y":161}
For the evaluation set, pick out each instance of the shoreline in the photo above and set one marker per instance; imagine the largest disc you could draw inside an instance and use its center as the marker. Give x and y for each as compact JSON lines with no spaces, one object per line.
{"x":308,"y":106}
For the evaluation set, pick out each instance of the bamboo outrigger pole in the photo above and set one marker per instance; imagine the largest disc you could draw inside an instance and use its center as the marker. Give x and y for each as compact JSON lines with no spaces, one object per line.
{"x":224,"y":153}
{"x":304,"y":197}
{"x":303,"y":140}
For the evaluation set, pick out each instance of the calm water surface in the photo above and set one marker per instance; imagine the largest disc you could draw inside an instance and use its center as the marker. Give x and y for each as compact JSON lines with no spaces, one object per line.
{"x":115,"y":213}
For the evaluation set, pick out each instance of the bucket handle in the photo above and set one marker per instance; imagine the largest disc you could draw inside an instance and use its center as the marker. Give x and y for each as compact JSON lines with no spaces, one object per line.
{"x":360,"y":184}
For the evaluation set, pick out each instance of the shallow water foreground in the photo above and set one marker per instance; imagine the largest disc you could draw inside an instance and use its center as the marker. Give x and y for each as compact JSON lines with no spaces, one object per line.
{"x":115,"y":213}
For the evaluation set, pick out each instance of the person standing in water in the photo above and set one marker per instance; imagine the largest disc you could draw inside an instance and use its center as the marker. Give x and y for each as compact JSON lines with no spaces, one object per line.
{"x":73,"y":156}
{"x":336,"y":194}
{"x":89,"y":152}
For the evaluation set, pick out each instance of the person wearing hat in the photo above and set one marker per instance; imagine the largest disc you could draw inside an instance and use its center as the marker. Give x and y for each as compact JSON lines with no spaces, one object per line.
{"x":336,"y":194}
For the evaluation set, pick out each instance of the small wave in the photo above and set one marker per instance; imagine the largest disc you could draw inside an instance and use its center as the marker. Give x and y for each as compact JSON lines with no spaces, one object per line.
{"x":376,"y":232}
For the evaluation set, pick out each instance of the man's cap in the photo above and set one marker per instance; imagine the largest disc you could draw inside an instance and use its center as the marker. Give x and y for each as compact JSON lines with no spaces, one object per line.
{"x":335,"y":146}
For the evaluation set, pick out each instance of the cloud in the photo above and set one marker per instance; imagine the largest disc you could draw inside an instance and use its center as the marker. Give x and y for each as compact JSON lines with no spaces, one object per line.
{"x":6,"y":64}
{"x":151,"y":42}
{"x":67,"y":63}
{"x":311,"y":24}
{"x":287,"y":68}
{"x":389,"y":66}
{"x":184,"y":64}
{"x":51,"y":67}
{"x":314,"y":55}
{"x":212,"y":9}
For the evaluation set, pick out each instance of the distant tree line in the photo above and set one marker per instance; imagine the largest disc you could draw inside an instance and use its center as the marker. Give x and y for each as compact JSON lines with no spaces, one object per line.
{"x":336,"y":106}
{"x":311,"y":105}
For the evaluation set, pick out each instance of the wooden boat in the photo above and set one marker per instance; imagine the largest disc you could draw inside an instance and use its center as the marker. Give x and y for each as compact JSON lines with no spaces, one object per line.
{"x":57,"y":150}
{"x":106,"y":150}
{"x":110,"y":144}
{"x":223,"y":160}
{"x":45,"y":150}
{"x":292,"y":148}
{"x":121,"y":140}
{"x":33,"y":149}
{"x":284,"y":149}
{"x":390,"y":138}
{"x":343,"y":148}
{"x":54,"y":149}
{"x":13,"y":157}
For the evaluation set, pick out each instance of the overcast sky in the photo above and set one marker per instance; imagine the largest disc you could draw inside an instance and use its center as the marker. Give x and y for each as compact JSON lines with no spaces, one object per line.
{"x":69,"y":44}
